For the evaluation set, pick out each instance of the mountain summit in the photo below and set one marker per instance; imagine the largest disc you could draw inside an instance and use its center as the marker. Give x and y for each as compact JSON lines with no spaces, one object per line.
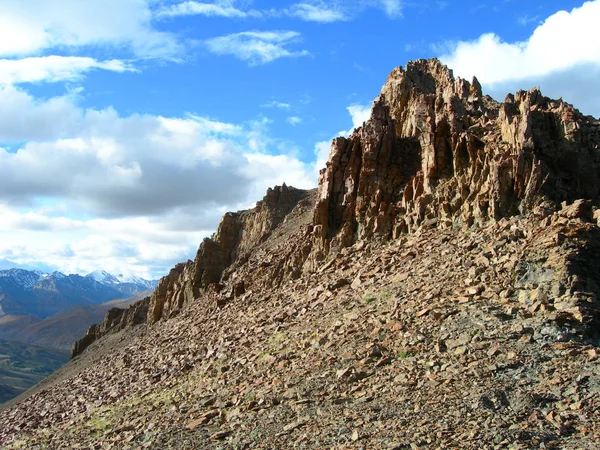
{"x":438,"y":290}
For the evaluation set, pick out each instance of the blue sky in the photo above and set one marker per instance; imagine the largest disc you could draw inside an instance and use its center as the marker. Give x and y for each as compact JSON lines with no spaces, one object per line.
{"x":128,"y":127}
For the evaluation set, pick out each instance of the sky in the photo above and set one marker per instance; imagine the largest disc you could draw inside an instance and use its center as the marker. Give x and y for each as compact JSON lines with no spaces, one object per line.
{"x":129,"y":127}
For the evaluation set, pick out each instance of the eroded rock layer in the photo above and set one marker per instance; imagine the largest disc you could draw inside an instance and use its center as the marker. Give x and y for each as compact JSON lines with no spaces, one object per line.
{"x":436,"y":151}
{"x":237,"y":234}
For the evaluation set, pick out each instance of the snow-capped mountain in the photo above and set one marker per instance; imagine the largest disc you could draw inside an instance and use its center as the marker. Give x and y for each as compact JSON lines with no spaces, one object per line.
{"x":34,"y":293}
{"x":104,"y":277}
{"x":20,"y":277}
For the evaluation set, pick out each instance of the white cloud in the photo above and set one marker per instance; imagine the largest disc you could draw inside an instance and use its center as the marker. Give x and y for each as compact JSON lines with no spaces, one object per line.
{"x":28,"y":27}
{"x":320,"y":12}
{"x":221,"y":9}
{"x":54,"y":68}
{"x":327,"y":12}
{"x":256,"y":47}
{"x":276,"y":104}
{"x":393,"y":8}
{"x":92,"y":189}
{"x":142,"y":246}
{"x":321,"y":152}
{"x":359,"y":114}
{"x":294,"y":120}
{"x":553,"y":46}
{"x":559,"y":66}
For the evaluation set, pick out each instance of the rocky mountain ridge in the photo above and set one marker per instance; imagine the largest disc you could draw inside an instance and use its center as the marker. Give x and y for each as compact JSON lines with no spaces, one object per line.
{"x":435,"y":152}
{"x":439,"y":290}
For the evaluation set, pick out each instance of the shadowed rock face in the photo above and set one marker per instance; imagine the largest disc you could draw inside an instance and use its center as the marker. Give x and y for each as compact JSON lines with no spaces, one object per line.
{"x":437,"y":152}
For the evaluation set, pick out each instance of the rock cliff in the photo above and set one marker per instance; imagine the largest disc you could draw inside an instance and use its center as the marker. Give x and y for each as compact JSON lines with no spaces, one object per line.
{"x":116,"y":319}
{"x":436,"y":151}
{"x":236,"y":235}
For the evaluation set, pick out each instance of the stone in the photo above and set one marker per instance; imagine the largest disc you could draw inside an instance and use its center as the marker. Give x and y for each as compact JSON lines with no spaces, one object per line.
{"x":579,"y":209}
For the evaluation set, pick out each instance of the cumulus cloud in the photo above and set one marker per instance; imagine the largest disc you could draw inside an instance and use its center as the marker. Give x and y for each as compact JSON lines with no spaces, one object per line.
{"x":28,"y":27}
{"x":294,"y":120}
{"x":319,"y":12}
{"x":359,"y":114}
{"x":54,"y":68}
{"x":540,"y":60}
{"x":257,"y":47}
{"x":118,"y":166}
{"x":220,"y":9}
{"x":95,"y":189}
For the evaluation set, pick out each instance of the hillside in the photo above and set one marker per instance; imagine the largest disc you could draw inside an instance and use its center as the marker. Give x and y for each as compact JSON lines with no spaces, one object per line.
{"x":22,"y":366}
{"x":62,"y":329}
{"x":439,"y":290}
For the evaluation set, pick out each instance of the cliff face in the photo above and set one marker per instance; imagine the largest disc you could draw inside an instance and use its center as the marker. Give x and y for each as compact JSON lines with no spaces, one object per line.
{"x":115,"y":320}
{"x":236,"y":235}
{"x":437,"y":152}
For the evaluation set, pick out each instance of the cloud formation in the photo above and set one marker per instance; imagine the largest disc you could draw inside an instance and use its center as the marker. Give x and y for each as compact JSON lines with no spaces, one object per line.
{"x":276,"y":104}
{"x":218,"y":9}
{"x":551,"y":47}
{"x":257,"y":47}
{"x":91,"y":188}
{"x":550,"y":58}
{"x":54,"y":68}
{"x":318,"y":11}
{"x":29,"y":27}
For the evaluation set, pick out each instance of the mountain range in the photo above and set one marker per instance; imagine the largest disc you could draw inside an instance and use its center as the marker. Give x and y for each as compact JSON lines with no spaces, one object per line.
{"x":53,"y":310}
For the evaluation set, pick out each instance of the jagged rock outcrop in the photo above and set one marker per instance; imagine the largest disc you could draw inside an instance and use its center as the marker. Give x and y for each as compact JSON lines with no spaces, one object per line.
{"x":236,"y":235}
{"x":116,"y":319}
{"x":436,"y":151}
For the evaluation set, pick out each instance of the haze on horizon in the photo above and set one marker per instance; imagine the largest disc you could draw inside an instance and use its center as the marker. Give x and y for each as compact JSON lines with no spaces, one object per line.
{"x":128,"y":127}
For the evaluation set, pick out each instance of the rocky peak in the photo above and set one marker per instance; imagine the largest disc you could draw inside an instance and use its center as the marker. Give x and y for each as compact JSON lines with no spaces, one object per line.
{"x":436,"y":152}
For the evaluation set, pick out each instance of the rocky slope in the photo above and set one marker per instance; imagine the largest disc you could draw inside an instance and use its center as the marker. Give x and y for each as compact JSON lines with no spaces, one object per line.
{"x":439,"y":290}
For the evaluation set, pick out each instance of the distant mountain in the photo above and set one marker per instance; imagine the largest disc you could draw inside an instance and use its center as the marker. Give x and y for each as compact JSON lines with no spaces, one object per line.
{"x":129,"y":284}
{"x":39,"y":311}
{"x":33,"y":293}
{"x":63,"y":328}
